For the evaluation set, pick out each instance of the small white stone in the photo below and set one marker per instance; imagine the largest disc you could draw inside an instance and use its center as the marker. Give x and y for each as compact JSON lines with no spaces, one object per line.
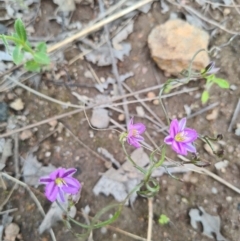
{"x":121,"y":117}
{"x":100,"y":118}
{"x":140,"y":111}
{"x":53,"y":123}
{"x":25,"y":135}
{"x":103,"y":230}
{"x":229,"y":199}
{"x":214,"y":190}
{"x":233,"y":87}
{"x":221,"y":165}
{"x":213,"y":115}
{"x":151,"y":95}
{"x":91,"y":134}
{"x":48,"y":154}
{"x":17,"y":104}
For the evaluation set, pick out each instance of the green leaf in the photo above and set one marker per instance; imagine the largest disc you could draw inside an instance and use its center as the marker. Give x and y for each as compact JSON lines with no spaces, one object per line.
{"x":163,"y":219}
{"x":42,"y":47}
{"x":18,"y":54}
{"x":20,"y":30}
{"x":5,"y":43}
{"x":222,"y":83}
{"x":31,"y":65}
{"x":205,"y":97}
{"x":41,"y":58}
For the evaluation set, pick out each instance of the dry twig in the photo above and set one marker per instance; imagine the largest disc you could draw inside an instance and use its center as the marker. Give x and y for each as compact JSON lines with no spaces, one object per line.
{"x":150,"y":219}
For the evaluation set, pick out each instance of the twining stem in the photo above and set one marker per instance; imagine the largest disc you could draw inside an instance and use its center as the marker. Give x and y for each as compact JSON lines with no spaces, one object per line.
{"x":131,"y":160}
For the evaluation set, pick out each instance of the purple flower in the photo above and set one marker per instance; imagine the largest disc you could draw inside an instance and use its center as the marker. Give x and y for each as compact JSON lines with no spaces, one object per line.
{"x":180,"y":138}
{"x":210,"y":69}
{"x":59,"y":183}
{"x":134,"y":133}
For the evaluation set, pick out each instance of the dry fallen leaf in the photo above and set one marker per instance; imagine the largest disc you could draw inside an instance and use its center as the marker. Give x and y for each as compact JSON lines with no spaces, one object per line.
{"x":211,"y":224}
{"x":65,"y":5}
{"x":120,"y":182}
{"x":122,"y":35}
{"x":55,"y":214}
{"x":102,"y":56}
{"x":33,"y":170}
{"x":11,"y":232}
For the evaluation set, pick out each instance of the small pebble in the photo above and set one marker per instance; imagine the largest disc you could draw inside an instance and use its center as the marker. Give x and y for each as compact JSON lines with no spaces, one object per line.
{"x":103,"y":230}
{"x":91,"y":134}
{"x":214,"y":190}
{"x":156,"y":102}
{"x":121,"y":117}
{"x":17,"y":104}
{"x":229,"y":199}
{"x":221,"y":165}
{"x":213,"y":115}
{"x":140,"y":111}
{"x":237,"y":132}
{"x":100,"y":118}
{"x":226,"y":11}
{"x":151,"y":95}
{"x":25,"y":135}
{"x":233,"y":87}
{"x":48,"y":154}
{"x":53,"y":123}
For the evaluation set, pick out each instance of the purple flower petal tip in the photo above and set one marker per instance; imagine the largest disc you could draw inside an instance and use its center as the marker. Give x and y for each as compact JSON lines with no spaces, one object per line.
{"x":59,"y":183}
{"x":181,"y":138}
{"x":134,"y":133}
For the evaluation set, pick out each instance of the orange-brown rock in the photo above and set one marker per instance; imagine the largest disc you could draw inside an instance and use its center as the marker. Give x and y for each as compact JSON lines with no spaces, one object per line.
{"x":174,"y":43}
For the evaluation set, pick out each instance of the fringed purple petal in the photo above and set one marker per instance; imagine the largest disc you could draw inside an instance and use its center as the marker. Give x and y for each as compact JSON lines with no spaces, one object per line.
{"x":190,"y":147}
{"x":51,"y":191}
{"x":139,"y":127}
{"x":179,"y":148}
{"x":133,"y":142}
{"x":130,"y":124}
{"x":61,"y":196}
{"x":72,"y":185}
{"x":168,"y":140}
{"x":173,"y":128}
{"x":45,"y":180}
{"x":190,"y":135}
{"x":69,"y":172}
{"x":182,"y":124}
{"x":57,"y":173}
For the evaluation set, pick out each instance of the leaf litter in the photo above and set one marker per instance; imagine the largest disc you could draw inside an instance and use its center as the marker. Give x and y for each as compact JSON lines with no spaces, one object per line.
{"x":211,"y":224}
{"x":120,"y":182}
{"x":33,"y":170}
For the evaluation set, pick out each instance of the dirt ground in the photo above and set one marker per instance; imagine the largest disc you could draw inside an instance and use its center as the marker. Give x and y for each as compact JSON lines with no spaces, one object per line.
{"x":175,"y":198}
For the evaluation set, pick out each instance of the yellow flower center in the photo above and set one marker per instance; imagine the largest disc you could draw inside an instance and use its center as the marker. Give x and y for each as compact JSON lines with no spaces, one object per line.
{"x":60,"y":181}
{"x":134,"y":132}
{"x":179,"y":137}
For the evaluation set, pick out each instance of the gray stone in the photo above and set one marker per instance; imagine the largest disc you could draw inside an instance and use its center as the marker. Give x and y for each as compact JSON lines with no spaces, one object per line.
{"x":100,"y":118}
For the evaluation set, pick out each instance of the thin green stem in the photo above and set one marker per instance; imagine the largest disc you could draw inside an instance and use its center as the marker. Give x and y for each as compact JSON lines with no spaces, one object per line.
{"x":131,"y":160}
{"x":162,"y":105}
{"x":24,"y":45}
